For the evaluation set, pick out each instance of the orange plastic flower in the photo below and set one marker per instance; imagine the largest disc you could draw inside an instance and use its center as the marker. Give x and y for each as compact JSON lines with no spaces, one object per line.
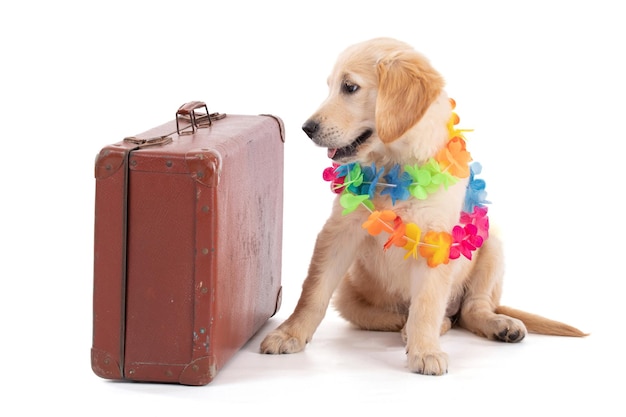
{"x":413,"y":234}
{"x":397,"y":237}
{"x":379,"y":221}
{"x":455,"y":158}
{"x":436,"y":249}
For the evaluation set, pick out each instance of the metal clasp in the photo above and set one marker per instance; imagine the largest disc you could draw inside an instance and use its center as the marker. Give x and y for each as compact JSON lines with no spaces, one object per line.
{"x":142,"y":143}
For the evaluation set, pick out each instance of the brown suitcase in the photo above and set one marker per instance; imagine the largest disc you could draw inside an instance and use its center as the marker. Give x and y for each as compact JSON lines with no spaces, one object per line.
{"x":187,"y":245}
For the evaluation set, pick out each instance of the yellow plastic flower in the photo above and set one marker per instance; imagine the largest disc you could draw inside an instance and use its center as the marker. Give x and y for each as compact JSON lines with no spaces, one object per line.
{"x":452,"y":130}
{"x":413,"y":234}
{"x":436,"y":248}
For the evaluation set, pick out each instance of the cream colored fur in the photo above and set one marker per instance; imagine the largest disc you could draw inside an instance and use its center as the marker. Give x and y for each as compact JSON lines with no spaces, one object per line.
{"x":385,"y":87}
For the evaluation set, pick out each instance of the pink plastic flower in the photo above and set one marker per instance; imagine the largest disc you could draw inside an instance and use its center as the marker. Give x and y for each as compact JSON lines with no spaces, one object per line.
{"x":464,"y":241}
{"x":336,"y":182}
{"x":479,"y":219}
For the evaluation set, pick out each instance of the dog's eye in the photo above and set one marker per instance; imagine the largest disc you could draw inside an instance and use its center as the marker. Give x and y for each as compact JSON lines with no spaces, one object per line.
{"x":349,"y":87}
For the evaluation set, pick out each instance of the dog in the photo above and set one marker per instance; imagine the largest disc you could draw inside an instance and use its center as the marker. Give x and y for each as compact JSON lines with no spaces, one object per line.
{"x":387,"y":108}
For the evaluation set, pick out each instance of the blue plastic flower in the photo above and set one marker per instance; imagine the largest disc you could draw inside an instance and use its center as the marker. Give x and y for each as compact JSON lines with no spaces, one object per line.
{"x":344,"y":170}
{"x":370,"y":180}
{"x":475,"y":194}
{"x":398,"y":184}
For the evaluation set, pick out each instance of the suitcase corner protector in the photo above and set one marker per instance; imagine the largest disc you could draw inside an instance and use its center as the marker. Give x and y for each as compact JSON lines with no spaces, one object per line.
{"x":200,"y":371}
{"x":205,"y":166}
{"x":109,"y":160}
{"x":104,"y":365}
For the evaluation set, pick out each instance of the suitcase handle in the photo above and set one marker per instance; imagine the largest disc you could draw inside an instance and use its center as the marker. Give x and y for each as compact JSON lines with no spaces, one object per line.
{"x":188,"y":112}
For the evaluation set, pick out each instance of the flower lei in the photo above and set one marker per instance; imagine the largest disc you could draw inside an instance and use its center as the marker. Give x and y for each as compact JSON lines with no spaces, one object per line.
{"x":358,"y":185}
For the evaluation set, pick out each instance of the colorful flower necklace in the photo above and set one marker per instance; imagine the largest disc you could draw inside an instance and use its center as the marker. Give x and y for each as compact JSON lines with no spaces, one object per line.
{"x":359,"y":184}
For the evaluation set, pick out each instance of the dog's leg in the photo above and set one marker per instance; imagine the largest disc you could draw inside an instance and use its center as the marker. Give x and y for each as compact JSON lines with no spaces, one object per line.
{"x":445,"y":326}
{"x":430,"y":288}
{"x":363,"y":301}
{"x":482,"y":295}
{"x":334,"y":252}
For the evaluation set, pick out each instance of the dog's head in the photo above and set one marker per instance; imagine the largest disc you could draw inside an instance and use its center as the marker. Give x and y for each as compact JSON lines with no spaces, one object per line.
{"x":379,"y":90}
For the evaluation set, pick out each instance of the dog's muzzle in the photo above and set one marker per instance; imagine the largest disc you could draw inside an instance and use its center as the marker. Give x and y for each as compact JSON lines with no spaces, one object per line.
{"x":312,"y":129}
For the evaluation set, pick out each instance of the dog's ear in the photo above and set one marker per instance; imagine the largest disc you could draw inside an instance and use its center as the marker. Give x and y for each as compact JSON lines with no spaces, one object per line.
{"x":407,"y":85}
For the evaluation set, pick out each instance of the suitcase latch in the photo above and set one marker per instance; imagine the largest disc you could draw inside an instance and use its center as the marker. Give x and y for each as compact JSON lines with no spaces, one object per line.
{"x":142,"y":143}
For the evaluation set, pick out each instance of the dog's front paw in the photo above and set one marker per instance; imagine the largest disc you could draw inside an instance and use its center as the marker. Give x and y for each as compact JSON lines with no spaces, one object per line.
{"x":279,"y":341}
{"x":428,"y":363}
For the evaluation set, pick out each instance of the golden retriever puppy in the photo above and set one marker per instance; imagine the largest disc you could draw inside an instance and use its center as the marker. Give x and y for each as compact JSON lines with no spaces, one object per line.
{"x":406,"y":247}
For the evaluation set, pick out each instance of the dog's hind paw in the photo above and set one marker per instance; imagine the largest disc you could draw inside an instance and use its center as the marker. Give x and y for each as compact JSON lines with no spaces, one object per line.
{"x":428,"y":363}
{"x":278,"y":342}
{"x":509,"y":330}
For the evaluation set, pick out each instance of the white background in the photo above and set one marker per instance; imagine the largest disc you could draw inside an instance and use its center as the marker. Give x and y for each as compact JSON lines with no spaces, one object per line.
{"x":541,"y":82}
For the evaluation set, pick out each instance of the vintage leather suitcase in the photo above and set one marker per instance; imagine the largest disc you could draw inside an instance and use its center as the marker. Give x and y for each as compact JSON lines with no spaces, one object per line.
{"x":188,"y":244}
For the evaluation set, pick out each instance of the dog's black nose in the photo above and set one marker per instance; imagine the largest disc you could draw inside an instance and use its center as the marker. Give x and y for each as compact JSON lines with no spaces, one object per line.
{"x":310,"y":127}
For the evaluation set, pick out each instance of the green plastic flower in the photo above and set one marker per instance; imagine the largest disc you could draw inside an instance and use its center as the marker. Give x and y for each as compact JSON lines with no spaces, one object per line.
{"x":439,"y":177}
{"x":351,"y":202}
{"x":422,"y":184}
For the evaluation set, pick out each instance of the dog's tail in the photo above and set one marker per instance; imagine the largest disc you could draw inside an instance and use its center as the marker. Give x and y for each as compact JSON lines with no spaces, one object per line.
{"x":541,"y":325}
